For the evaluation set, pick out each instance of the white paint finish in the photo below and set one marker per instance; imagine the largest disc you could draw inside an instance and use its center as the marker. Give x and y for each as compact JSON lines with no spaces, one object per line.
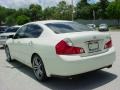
{"x":54,"y":64}
{"x":21,"y":77}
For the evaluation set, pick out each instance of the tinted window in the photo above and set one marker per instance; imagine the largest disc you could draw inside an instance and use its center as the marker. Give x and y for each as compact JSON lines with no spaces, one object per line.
{"x":33,"y":31}
{"x":103,"y":25}
{"x":20,"y":33}
{"x":67,"y":27}
{"x":2,"y":29}
{"x":12,"y":29}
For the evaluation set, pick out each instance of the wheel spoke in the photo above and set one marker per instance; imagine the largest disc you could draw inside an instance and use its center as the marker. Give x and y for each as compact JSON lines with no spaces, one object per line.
{"x":38,"y":73}
{"x":36,"y":61}
{"x":35,"y":67}
{"x":38,"y":68}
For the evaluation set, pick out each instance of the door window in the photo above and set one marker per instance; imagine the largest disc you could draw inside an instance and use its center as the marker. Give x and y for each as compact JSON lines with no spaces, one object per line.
{"x":29,"y":31}
{"x":20,"y":32}
{"x":33,"y":31}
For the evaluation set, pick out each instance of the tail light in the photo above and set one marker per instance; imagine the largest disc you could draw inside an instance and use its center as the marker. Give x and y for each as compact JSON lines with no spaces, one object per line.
{"x":63,"y":48}
{"x":108,"y":44}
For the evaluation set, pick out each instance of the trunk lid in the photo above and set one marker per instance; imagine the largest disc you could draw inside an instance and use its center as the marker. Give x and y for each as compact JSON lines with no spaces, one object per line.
{"x":91,"y":41}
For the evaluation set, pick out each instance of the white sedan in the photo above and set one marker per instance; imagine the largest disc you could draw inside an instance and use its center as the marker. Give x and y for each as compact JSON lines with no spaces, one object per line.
{"x":7,"y":33}
{"x":62,"y":48}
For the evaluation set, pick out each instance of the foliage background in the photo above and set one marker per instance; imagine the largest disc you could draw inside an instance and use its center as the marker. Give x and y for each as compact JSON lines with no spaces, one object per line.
{"x":62,"y":11}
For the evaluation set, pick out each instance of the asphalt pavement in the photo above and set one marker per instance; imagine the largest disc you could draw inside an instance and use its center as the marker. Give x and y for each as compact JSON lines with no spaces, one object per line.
{"x":16,"y":76}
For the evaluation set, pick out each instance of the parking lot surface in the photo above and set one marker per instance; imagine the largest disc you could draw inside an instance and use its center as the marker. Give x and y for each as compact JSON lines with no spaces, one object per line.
{"x":16,"y":76}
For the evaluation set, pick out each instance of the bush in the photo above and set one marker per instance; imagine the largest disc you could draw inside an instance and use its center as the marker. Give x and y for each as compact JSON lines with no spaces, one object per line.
{"x":22,"y":19}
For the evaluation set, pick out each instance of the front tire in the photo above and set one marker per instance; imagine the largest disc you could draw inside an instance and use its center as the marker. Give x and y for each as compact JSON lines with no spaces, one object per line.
{"x":8,"y":56}
{"x":38,"y":68}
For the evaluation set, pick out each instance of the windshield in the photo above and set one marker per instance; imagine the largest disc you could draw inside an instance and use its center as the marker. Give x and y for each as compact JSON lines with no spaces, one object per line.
{"x":12,"y":29}
{"x":2,"y":29}
{"x":68,"y":27}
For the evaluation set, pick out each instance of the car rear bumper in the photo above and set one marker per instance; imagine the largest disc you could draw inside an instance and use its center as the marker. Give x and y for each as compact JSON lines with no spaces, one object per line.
{"x":73,"y":65}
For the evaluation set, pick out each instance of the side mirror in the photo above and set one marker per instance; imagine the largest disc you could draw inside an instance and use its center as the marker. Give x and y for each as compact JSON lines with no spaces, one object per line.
{"x":11,"y":36}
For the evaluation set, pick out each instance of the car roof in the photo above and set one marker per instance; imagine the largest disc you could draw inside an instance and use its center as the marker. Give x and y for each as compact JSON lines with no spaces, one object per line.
{"x":48,"y":21}
{"x":103,"y":24}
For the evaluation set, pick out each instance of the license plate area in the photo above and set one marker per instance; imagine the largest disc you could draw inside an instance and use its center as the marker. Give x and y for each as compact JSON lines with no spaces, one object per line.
{"x":93,"y":46}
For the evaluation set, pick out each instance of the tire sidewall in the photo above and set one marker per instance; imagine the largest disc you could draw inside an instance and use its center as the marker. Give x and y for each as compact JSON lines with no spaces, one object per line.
{"x":44,"y":76}
{"x":7,"y":51}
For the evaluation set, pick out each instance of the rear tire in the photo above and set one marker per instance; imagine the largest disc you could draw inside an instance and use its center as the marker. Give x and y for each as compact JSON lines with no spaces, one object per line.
{"x":38,"y":68}
{"x":8,"y":56}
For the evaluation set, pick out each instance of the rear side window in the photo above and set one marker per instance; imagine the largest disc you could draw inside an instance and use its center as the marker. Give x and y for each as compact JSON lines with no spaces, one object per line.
{"x":67,"y":27}
{"x":33,"y":31}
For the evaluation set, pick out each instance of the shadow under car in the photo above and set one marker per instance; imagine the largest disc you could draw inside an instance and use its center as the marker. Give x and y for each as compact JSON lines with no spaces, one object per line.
{"x":87,"y":81}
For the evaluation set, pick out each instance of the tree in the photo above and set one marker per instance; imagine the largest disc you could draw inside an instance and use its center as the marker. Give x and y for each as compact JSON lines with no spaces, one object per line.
{"x":82,"y":3}
{"x":95,"y":9}
{"x":49,"y":13}
{"x":83,"y":10}
{"x":64,"y":10}
{"x":2,"y":14}
{"x":113,"y":10}
{"x":61,"y":11}
{"x":103,"y":4}
{"x":10,"y":20}
{"x":35,"y":12}
{"x":22,"y":19}
{"x":22,"y":11}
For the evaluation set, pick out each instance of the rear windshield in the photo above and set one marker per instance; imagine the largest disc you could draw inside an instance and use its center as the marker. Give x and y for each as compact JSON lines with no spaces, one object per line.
{"x":13,"y":29}
{"x":67,"y":27}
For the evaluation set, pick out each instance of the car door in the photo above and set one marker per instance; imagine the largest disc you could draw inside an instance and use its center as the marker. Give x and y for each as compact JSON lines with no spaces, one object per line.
{"x":16,"y":43}
{"x":26,"y":48}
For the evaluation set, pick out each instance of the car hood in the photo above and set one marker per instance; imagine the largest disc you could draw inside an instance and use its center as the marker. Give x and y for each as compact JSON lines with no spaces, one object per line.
{"x":7,"y":34}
